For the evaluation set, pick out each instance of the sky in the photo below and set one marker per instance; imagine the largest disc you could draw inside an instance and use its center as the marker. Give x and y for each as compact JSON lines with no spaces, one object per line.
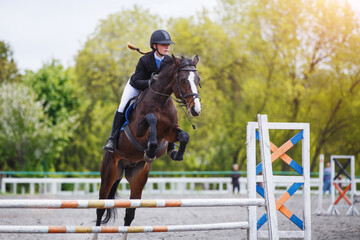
{"x":41,"y":30}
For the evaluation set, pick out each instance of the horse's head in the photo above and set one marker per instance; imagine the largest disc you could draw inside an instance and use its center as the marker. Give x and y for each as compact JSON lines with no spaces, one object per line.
{"x":186,"y":82}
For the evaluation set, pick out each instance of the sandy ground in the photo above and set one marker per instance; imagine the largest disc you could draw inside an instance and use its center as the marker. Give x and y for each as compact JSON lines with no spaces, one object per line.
{"x":323,"y":227}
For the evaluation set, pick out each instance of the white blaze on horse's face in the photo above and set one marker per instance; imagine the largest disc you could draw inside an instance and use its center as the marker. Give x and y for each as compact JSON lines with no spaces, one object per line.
{"x":195,"y":110}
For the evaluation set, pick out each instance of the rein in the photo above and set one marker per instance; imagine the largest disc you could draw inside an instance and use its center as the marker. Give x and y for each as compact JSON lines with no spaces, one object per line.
{"x":182,"y":102}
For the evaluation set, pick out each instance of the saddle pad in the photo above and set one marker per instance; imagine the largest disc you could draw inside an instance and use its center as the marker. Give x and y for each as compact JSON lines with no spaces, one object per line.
{"x":127,"y":114}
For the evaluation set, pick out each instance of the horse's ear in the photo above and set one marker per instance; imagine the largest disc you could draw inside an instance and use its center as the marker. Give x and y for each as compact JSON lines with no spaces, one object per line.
{"x":176,"y":60}
{"x":196,"y":60}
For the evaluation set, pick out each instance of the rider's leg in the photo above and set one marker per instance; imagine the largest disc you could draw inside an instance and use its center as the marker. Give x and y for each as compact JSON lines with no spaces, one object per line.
{"x":117,"y":122}
{"x":129,"y":93}
{"x":119,"y":118}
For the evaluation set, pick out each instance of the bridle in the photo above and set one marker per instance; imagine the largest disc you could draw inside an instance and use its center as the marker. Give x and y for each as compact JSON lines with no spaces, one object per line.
{"x":183,"y":96}
{"x":182,"y":101}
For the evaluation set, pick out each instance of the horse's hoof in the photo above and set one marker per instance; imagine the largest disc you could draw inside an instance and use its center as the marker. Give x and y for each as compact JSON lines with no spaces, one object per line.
{"x":175,"y":156}
{"x":151,"y":149}
{"x":148,"y":159}
{"x":170,"y":153}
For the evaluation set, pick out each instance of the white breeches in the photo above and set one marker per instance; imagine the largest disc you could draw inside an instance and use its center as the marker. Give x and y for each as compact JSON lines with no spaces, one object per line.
{"x":129,"y":92}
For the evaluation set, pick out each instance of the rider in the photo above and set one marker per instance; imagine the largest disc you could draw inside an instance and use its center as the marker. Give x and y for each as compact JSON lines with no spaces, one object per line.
{"x":147,"y":68}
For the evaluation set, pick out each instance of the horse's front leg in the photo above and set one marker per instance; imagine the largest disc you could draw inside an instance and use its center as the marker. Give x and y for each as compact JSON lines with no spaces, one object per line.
{"x":183,"y":138}
{"x":150,"y":152}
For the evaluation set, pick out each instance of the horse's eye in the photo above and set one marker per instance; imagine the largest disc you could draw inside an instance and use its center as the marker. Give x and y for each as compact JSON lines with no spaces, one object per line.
{"x":183,"y":80}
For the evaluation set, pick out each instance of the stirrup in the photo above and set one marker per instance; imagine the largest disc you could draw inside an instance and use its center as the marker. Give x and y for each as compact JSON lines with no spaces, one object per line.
{"x":108,"y":148}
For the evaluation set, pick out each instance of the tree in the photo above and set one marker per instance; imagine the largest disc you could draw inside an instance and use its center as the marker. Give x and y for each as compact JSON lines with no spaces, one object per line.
{"x":300,"y":62}
{"x":27,"y":136}
{"x":8,"y":68}
{"x":56,"y":89}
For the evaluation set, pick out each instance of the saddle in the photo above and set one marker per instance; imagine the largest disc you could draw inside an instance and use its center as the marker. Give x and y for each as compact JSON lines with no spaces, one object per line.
{"x":131,"y":105}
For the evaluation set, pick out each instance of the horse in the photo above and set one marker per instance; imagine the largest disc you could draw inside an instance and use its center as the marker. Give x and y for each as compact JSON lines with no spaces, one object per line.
{"x":153,"y":124}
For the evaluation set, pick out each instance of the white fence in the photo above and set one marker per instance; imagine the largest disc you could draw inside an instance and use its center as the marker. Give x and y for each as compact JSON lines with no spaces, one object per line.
{"x":79,"y":186}
{"x":89,"y":186}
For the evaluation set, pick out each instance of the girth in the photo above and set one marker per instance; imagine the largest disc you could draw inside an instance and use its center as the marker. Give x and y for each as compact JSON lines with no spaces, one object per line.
{"x":138,"y":146}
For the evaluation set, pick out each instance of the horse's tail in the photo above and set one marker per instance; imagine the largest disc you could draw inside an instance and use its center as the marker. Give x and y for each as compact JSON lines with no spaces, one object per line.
{"x":132,"y":47}
{"x":111,"y":212}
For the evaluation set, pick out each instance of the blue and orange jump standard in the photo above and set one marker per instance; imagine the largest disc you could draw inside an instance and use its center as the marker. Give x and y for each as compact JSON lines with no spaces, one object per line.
{"x":281,"y":153}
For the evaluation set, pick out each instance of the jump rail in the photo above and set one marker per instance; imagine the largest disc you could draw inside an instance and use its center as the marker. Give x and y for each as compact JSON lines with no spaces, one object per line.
{"x":135,"y":229}
{"x":133,"y":203}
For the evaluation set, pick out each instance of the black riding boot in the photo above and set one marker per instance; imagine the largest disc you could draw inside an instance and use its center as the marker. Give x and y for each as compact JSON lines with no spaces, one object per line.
{"x":117,"y":123}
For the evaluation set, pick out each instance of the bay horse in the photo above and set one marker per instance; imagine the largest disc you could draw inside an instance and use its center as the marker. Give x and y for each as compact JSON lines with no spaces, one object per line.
{"x":154,"y":125}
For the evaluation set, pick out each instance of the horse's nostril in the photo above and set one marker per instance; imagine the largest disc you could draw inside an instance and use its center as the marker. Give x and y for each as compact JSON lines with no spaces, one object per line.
{"x":194,"y":112}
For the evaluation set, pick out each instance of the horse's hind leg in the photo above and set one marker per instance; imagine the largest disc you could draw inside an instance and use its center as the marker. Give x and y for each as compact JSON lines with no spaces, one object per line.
{"x":137,"y":178}
{"x":183,"y":139}
{"x":110,"y":178}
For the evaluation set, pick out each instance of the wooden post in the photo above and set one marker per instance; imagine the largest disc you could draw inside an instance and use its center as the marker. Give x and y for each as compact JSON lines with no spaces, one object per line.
{"x":320,"y":210}
{"x":251,"y":179}
{"x":306,"y":187}
{"x":352,"y":210}
{"x":268,"y":176}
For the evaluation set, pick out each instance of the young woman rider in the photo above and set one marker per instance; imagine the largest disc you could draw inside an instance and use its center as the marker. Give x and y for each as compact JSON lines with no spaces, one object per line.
{"x":147,"y":68}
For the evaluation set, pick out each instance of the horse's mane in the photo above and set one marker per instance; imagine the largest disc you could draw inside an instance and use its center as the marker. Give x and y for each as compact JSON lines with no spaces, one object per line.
{"x":167,"y":70}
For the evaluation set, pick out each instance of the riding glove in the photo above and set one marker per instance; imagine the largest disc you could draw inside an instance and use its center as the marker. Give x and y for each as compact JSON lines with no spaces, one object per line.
{"x":153,"y":78}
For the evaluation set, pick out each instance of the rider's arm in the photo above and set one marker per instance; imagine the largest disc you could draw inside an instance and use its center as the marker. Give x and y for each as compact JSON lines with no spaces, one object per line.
{"x":140,"y":79}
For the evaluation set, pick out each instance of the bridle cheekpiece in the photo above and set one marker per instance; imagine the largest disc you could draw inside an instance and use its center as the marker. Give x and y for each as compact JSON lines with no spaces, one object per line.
{"x":189,"y":68}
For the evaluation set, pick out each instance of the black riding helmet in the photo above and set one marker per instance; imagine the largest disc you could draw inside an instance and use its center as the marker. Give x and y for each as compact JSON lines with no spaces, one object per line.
{"x":161,"y":37}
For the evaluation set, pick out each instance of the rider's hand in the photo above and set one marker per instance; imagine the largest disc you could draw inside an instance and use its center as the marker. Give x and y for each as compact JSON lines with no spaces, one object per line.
{"x":153,"y":78}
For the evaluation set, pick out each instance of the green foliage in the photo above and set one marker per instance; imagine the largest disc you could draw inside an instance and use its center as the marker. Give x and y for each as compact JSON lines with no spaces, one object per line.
{"x":58,"y":92}
{"x":55,"y":88}
{"x":292,"y":62}
{"x":38,"y":117}
{"x":8,"y":68}
{"x":27,"y":137}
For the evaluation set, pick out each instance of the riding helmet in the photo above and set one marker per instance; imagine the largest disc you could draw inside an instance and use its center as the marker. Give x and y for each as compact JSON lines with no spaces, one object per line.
{"x":161,"y":37}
